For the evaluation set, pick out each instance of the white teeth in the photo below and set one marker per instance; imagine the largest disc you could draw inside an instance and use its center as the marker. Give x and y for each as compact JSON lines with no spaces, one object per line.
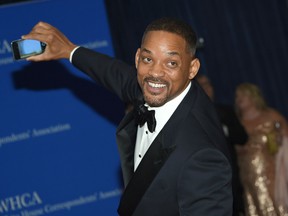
{"x":156,"y":85}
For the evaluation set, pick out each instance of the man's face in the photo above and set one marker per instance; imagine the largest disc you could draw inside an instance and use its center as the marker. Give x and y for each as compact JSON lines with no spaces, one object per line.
{"x":243,"y":101}
{"x":165,"y":67}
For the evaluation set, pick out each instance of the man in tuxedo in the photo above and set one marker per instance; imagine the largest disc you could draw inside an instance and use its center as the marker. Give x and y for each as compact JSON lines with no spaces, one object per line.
{"x":177,"y":163}
{"x":235,"y":135}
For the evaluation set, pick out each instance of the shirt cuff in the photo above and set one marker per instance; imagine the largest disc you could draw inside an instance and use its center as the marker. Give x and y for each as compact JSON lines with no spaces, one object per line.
{"x":71,"y":54}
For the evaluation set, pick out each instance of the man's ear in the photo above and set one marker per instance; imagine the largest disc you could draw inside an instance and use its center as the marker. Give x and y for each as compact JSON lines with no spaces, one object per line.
{"x":194,"y":68}
{"x":137,"y":57}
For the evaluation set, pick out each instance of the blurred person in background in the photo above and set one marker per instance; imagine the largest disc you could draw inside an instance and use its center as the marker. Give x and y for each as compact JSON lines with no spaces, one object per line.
{"x":262,"y":159}
{"x":235,"y":135}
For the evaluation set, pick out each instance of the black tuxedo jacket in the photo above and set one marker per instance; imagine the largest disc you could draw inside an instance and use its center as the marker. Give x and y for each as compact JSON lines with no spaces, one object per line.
{"x":186,"y":170}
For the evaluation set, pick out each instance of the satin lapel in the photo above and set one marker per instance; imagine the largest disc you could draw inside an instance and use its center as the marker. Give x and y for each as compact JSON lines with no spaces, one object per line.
{"x":126,"y":137}
{"x":155,"y":157}
{"x":152,"y":161}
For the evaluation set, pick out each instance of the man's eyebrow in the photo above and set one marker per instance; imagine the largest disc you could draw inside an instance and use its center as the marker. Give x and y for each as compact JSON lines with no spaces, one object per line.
{"x":146,"y":51}
{"x":170,"y":53}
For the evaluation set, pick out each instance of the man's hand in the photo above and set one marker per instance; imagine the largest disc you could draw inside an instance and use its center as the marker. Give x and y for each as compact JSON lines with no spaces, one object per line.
{"x":58,"y":46}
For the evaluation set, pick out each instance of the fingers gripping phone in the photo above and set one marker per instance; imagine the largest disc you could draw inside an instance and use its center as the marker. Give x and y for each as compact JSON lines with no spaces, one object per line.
{"x":24,"y":48}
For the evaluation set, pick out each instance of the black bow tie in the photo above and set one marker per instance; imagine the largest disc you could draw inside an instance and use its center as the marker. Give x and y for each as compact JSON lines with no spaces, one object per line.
{"x":142,"y":115}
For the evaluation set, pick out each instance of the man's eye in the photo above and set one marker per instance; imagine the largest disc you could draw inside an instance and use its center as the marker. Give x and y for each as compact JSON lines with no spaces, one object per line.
{"x":172,"y":64}
{"x":146,"y":59}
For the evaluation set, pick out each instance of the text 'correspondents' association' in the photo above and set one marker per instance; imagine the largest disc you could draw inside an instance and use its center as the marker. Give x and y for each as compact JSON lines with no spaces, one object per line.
{"x":35,"y":132}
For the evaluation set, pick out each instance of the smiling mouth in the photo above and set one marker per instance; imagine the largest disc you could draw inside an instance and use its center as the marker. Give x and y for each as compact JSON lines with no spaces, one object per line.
{"x":156,"y":85}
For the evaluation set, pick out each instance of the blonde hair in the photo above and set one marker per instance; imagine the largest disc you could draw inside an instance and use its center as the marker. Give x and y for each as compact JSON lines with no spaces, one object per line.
{"x":254,"y":92}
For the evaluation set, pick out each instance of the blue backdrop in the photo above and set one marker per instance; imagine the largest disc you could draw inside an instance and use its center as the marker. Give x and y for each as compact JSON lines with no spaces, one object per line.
{"x":58,"y":154}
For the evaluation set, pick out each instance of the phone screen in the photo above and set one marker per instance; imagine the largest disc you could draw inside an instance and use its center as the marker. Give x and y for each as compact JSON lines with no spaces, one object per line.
{"x":25,"y":48}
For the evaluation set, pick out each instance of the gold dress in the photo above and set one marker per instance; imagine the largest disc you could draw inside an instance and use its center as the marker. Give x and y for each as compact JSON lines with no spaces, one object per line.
{"x":257,"y":171}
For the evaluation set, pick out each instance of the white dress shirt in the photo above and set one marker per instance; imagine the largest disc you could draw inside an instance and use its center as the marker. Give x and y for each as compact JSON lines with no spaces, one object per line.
{"x":162,"y":115}
{"x":72,"y":52}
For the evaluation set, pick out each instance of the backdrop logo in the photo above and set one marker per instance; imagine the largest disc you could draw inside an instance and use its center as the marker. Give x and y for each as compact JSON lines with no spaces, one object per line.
{"x":96,"y":44}
{"x":19,"y":202}
{"x":5,"y":49}
{"x":36,"y":132}
{"x":31,"y":204}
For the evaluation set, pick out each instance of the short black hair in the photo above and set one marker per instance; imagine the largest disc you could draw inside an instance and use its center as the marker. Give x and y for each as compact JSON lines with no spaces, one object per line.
{"x":175,"y":26}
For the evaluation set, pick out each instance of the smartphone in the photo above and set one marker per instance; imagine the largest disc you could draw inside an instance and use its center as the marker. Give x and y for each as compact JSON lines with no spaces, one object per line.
{"x":24,"y":48}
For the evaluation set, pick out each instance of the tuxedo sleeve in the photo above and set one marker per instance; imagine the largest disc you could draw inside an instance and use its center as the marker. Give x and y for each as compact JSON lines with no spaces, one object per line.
{"x":205,"y":185}
{"x":115,"y":75}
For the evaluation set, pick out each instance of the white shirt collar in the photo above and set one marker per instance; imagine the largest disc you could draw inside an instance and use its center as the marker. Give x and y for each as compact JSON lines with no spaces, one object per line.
{"x":163,"y":113}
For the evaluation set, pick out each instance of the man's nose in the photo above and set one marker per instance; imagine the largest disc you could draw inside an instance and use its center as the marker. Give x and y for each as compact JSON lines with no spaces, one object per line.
{"x":157,"y":70}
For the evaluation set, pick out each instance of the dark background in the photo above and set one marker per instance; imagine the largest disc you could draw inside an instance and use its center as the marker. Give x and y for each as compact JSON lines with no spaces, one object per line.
{"x":7,"y":2}
{"x":244,"y":41}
